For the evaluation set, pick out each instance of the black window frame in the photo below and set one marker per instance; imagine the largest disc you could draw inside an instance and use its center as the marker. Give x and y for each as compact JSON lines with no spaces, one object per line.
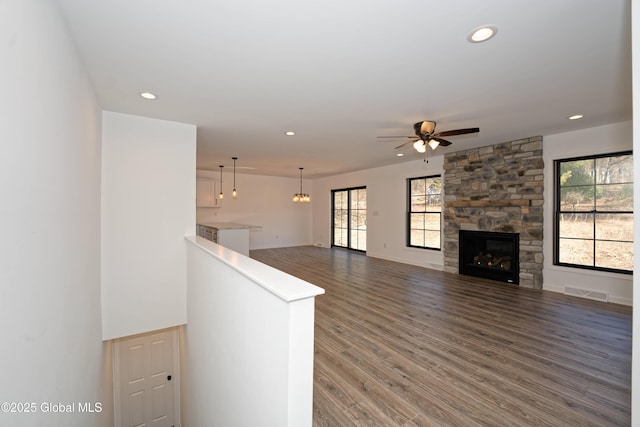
{"x":558,"y":213}
{"x":333,"y":211}
{"x":410,"y":212}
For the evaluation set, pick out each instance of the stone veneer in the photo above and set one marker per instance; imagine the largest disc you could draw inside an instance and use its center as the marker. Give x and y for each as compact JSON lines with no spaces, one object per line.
{"x":497,"y":188}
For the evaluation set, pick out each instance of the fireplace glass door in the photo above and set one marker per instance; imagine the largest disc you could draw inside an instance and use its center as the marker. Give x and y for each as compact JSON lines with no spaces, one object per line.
{"x":490,"y":255}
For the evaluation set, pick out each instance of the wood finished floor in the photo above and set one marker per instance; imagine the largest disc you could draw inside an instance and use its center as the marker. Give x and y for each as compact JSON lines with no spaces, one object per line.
{"x":399,"y":345}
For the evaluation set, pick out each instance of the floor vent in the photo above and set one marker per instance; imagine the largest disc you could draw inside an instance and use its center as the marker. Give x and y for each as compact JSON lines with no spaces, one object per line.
{"x":584,"y":293}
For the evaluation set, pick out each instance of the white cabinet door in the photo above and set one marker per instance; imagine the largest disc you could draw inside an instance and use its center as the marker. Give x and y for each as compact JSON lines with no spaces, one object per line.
{"x":206,"y":193}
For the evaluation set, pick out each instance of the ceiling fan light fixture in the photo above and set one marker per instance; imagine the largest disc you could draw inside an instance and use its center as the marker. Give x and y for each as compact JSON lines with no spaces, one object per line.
{"x":482,"y":34}
{"x":576,"y":117}
{"x":427,"y":127}
{"x":425,"y":134}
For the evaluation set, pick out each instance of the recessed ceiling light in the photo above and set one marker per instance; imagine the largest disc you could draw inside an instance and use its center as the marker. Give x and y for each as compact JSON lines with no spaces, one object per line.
{"x":400,"y":154}
{"x":290,"y":133}
{"x":148,"y":95}
{"x":482,"y":34}
{"x":576,"y":117}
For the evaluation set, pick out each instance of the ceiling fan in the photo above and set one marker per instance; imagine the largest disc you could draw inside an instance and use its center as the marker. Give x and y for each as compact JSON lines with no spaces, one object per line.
{"x":425,"y":132}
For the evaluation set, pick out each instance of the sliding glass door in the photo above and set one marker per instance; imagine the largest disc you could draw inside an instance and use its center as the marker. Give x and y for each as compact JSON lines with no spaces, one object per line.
{"x":349,"y":212}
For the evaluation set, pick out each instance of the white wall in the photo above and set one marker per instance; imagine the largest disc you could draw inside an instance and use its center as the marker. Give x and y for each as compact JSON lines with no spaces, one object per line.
{"x":598,"y":140}
{"x":50,"y":223}
{"x":386,"y":210}
{"x":264,"y":201}
{"x":148,"y":206}
{"x":247,"y":350}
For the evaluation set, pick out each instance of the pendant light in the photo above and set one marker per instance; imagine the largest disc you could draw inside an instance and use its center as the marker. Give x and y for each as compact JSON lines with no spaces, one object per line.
{"x":301,"y":197}
{"x":221,"y":196}
{"x":234,"y":193}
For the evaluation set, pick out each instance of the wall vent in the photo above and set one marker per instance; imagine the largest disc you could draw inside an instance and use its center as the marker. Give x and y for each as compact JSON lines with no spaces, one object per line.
{"x":584,"y":293}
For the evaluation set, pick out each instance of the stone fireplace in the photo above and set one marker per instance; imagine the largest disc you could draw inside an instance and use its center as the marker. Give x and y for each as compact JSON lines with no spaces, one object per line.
{"x":498,"y":188}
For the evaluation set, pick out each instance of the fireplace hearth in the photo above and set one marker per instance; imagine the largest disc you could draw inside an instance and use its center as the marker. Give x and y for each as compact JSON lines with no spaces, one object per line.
{"x":491,"y":255}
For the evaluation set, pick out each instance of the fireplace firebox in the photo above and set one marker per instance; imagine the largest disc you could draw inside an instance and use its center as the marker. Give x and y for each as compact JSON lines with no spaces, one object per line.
{"x":491,"y":255}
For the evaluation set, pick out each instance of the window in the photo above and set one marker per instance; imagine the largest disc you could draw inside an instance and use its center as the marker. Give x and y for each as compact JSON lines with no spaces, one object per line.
{"x":594,"y":212}
{"x":349,"y":207}
{"x":424,"y":212}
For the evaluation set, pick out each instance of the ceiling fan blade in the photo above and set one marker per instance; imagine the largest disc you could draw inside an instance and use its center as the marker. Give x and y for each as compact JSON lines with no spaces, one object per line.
{"x":458,"y":132}
{"x":403,"y":136}
{"x":443,"y":142}
{"x":403,"y":144}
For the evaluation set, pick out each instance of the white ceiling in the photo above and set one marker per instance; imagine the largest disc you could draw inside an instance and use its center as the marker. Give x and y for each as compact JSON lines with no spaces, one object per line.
{"x":340,"y":73}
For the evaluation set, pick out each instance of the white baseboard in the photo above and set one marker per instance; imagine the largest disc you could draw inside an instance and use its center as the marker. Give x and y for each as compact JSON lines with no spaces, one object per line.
{"x":404,"y":261}
{"x":610,"y":298}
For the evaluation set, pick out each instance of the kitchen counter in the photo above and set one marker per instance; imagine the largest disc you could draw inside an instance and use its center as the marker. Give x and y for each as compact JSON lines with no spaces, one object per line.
{"x":228,"y":225}
{"x":231,"y":235}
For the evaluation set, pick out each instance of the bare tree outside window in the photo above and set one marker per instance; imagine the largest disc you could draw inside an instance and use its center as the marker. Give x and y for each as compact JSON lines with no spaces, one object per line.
{"x":424,"y":212}
{"x":594,"y":212}
{"x":350,"y":218}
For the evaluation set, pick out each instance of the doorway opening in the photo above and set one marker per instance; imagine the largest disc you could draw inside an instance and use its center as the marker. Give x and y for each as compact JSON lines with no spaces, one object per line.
{"x":349,"y":218}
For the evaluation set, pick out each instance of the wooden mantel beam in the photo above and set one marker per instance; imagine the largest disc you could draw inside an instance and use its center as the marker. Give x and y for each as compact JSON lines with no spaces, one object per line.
{"x":487,"y":203}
